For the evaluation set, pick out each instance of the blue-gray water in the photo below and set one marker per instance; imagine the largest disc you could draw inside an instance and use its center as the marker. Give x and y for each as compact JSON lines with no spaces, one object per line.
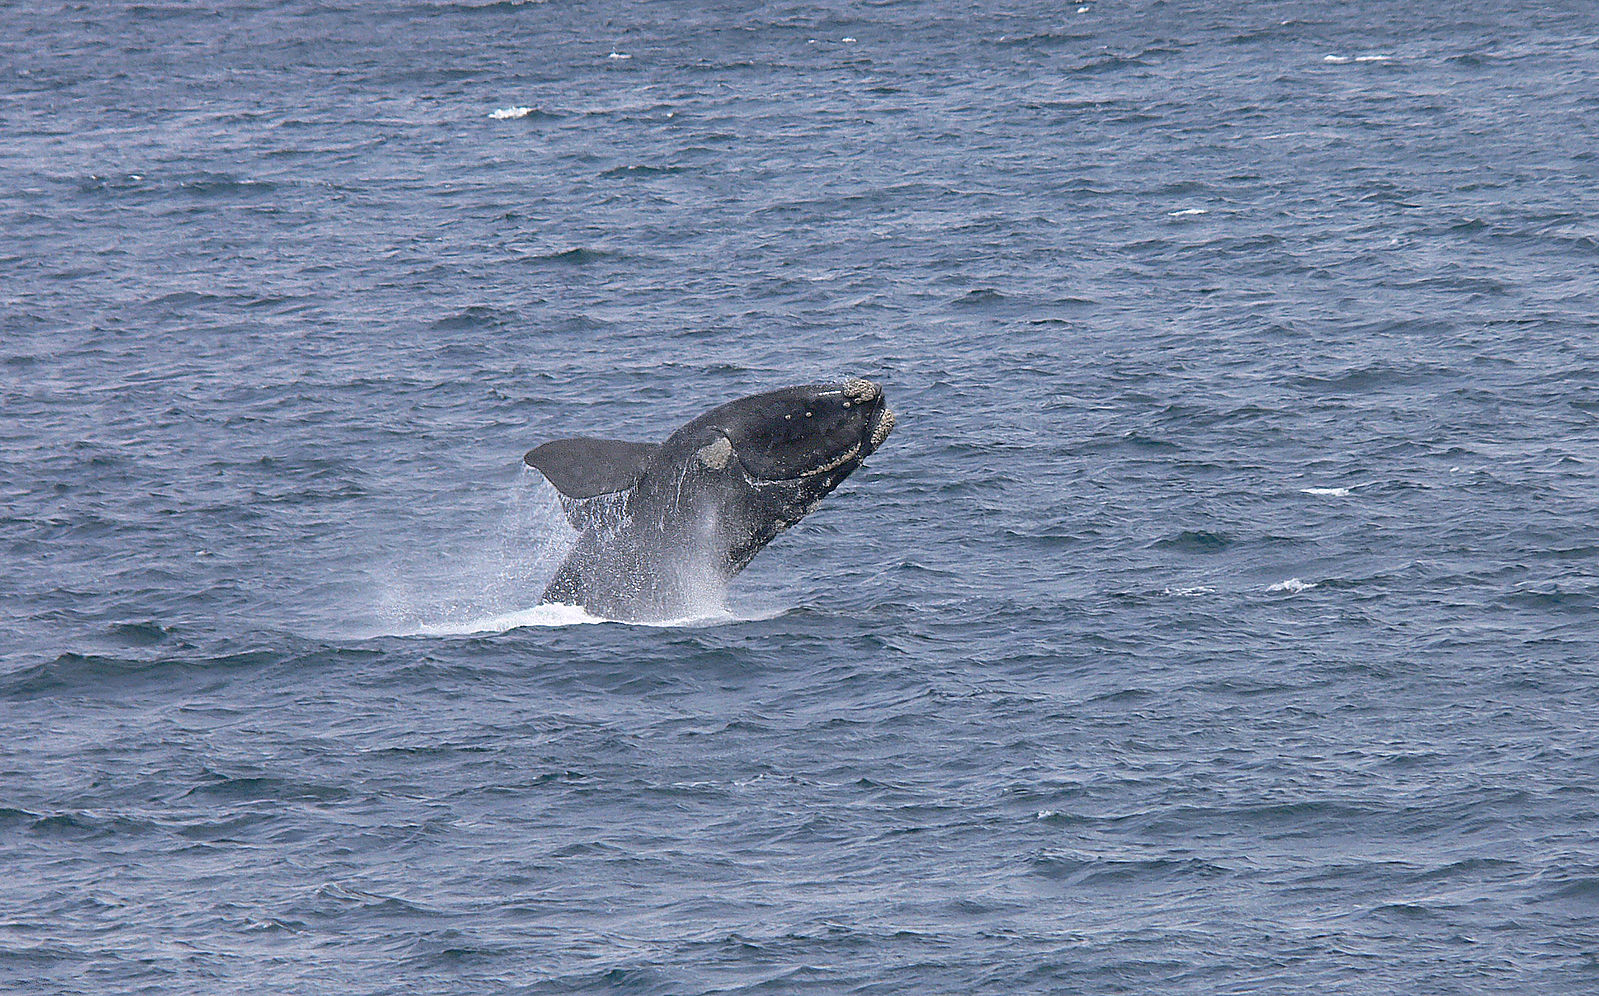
{"x":1223,"y":616}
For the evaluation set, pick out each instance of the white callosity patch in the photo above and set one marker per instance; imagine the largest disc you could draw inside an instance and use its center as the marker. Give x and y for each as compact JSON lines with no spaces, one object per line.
{"x":858,"y":390}
{"x":716,"y":455}
{"x":885,"y":425}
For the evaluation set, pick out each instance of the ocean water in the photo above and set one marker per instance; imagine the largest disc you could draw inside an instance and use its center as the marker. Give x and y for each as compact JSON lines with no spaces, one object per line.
{"x":1222,"y":617}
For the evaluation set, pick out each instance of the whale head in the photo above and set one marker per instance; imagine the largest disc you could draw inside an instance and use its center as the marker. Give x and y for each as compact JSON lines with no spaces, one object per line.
{"x":759,"y":464}
{"x":792,"y":434}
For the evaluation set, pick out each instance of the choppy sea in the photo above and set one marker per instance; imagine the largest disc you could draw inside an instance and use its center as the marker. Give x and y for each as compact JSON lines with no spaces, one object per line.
{"x":1223,"y":616}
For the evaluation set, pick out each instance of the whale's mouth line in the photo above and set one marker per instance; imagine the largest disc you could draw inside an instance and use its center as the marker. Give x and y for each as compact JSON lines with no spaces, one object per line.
{"x":852,"y":453}
{"x":842,"y":459}
{"x":882,"y":424}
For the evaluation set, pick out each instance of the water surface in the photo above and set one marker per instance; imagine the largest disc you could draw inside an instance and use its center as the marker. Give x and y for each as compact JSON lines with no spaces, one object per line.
{"x":1220,"y":618}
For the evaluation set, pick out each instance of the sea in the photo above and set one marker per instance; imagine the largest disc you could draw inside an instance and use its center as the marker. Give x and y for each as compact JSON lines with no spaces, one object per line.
{"x":1222,"y":617}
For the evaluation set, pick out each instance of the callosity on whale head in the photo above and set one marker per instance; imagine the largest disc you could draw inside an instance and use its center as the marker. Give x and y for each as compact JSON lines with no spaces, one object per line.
{"x":659,"y":523}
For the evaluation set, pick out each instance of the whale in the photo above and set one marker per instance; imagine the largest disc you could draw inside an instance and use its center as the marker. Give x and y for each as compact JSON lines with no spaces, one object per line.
{"x":663,"y":527}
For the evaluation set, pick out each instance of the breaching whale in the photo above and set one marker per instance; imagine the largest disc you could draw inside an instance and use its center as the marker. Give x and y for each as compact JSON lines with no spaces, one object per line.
{"x":659,"y":523}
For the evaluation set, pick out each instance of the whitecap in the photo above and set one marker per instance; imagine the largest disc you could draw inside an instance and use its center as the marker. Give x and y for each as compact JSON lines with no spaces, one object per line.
{"x":1186,"y":212}
{"x":510,"y":113}
{"x":619,"y":55}
{"x":1326,"y":492}
{"x":1189,"y":592}
{"x":550,"y":614}
{"x":1292,"y":586}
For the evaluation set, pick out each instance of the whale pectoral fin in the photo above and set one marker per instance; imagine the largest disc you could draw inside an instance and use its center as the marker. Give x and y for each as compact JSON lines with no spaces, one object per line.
{"x":584,"y":468}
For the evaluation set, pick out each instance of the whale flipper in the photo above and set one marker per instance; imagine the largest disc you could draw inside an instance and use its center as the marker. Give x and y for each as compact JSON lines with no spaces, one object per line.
{"x":586,"y":468}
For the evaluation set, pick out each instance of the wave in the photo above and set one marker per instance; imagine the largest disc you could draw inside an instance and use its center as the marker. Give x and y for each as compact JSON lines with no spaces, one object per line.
{"x":1292,"y":586}
{"x":519,"y":112}
{"x":551,"y":615}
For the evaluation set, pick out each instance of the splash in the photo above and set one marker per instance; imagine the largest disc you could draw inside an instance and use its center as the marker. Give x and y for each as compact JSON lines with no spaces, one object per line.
{"x":659,"y":572}
{"x":547,"y":615}
{"x":493,"y":581}
{"x":552,"y":615}
{"x":499,"y":570}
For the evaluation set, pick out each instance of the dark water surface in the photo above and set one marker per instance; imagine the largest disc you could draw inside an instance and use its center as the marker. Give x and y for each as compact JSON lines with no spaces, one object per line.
{"x":1223,"y":616}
